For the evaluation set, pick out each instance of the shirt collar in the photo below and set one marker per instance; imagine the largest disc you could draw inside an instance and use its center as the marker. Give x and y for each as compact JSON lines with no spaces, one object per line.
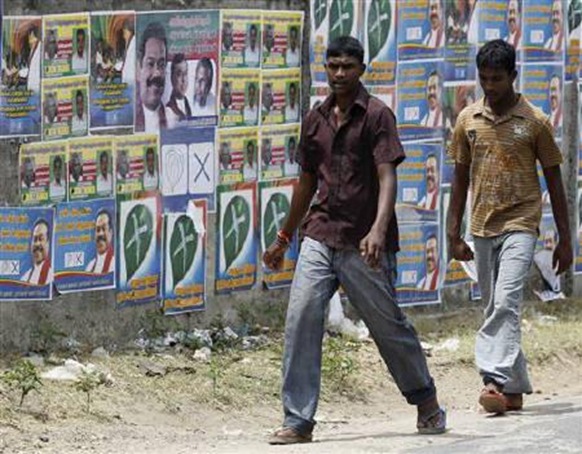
{"x":519,"y":110}
{"x":361,"y":100}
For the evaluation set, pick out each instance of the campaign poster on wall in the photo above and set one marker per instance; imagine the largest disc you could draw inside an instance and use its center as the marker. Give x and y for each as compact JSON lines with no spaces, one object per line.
{"x":184,"y":288}
{"x":419,"y":93}
{"x":318,"y":40}
{"x":542,"y":84}
{"x":26,"y":253}
{"x":236,"y":261}
{"x":85,"y":245}
{"x":139,"y":251}
{"x":418,"y":280}
{"x":421,"y":30}
{"x":386,"y":94}
{"x":461,"y":40}
{"x":20,"y":82}
{"x":274,"y":206}
{"x":418,"y":196}
{"x":282,"y":38}
{"x":574,"y":22}
{"x":379,"y":40}
{"x":239,"y":97}
{"x":241,"y":38}
{"x":544,"y":30}
{"x":136,"y":163}
{"x":112,"y":69}
{"x":500,"y":19}
{"x":318,"y":93}
{"x":281,"y":96}
{"x":43,"y":176}
{"x":346,"y":18}
{"x":65,"y":107}
{"x":578,"y":258}
{"x":90,"y":172}
{"x":66,"y":45}
{"x":177,"y":75}
{"x":278,"y":151}
{"x":238,"y":155}
{"x":456,"y":96}
{"x":544,"y":252}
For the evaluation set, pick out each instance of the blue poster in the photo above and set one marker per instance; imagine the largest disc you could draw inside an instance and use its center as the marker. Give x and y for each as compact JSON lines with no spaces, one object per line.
{"x":461,"y":47}
{"x":236,"y":236}
{"x":26,"y":253}
{"x":544,"y":32}
{"x":379,"y":42}
{"x":419,"y":278}
{"x":574,"y":22}
{"x":184,"y":288}
{"x":188,"y":163}
{"x":139,"y":251}
{"x":542,"y":84}
{"x":421,"y":30}
{"x":419,"y":183}
{"x":499,"y":19}
{"x":85,"y":246}
{"x":318,"y":39}
{"x":456,"y":96}
{"x":419,"y":93}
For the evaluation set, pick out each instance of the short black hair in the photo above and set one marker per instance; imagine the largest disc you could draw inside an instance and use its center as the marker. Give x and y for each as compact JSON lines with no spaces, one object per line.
{"x":207,"y":64}
{"x":178,"y":58}
{"x":103,"y":153}
{"x":109,"y":218}
{"x":151,"y":150}
{"x":44,"y":222}
{"x":345,"y":45}
{"x":79,"y":93}
{"x":153,"y":30}
{"x":496,"y":54}
{"x":81,"y":31}
{"x":431,"y":236}
{"x":253,"y":27}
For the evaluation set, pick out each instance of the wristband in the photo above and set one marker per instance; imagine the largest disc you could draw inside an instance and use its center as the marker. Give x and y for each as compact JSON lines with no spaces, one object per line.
{"x":283,"y":237}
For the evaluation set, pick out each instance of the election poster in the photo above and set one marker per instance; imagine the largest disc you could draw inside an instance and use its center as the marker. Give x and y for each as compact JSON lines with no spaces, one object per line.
{"x":66,"y":45}
{"x":139,"y":251}
{"x":544,"y":31}
{"x":578,"y":257}
{"x":282,"y":38}
{"x":281,"y":96}
{"x":188,"y":167}
{"x":548,"y":238}
{"x":379,"y":40}
{"x":236,"y":261}
{"x":20,"y":82}
{"x":545,"y":193}
{"x":239,"y":97}
{"x":238,"y":155}
{"x":419,"y":93}
{"x":319,"y":22}
{"x":418,"y":195}
{"x":318,"y":93}
{"x":542,"y":84}
{"x":346,"y":18}
{"x":421,"y":30}
{"x":456,"y":96}
{"x":136,"y":163}
{"x":461,"y":42}
{"x":177,"y":74}
{"x":274,"y":206}
{"x":184,"y":288}
{"x":112,"y":69}
{"x":65,"y":107}
{"x":278,"y":156}
{"x":241,"y":38}
{"x":42,"y":176}
{"x":26,"y":253}
{"x":419,"y":279}
{"x":90,"y":172}
{"x":385,"y":93}
{"x":500,"y":19}
{"x":574,"y":21}
{"x":85,"y":245}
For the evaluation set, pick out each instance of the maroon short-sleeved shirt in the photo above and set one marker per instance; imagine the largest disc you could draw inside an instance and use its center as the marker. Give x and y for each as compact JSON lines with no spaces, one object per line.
{"x":344,"y":160}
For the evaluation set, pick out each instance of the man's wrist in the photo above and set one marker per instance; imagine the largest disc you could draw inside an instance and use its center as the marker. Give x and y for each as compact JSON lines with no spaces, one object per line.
{"x":283,"y":238}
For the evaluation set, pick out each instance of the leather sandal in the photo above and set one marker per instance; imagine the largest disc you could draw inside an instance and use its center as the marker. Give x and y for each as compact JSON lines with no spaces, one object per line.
{"x":513,"y":401}
{"x":289,"y":436}
{"x":433,"y":424}
{"x":492,"y":400}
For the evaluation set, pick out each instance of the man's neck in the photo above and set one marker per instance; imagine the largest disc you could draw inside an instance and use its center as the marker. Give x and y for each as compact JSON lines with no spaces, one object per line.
{"x":151,"y":110}
{"x":344,"y":101}
{"x":505,"y":105}
{"x":179,"y":96}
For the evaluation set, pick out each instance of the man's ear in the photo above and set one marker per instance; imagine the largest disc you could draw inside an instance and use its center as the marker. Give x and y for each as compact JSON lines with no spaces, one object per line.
{"x":362,"y":68}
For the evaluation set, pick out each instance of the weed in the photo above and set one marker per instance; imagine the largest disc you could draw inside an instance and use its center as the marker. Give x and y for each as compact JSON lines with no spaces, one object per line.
{"x":23,"y":376}
{"x":88,"y":382}
{"x":338,"y":365}
{"x":46,"y":337}
{"x":216,"y":370}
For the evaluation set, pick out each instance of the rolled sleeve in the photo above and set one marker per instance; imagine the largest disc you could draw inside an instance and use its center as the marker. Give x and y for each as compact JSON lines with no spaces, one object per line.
{"x":547,"y":151}
{"x":459,"y":149}
{"x":386,"y":145}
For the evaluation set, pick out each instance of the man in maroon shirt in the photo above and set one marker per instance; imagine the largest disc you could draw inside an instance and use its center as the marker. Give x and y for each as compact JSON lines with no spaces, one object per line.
{"x":348,"y":153}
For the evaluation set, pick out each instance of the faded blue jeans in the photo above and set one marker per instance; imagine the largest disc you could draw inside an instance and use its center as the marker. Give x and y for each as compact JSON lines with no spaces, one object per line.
{"x":320,"y":269}
{"x":503,"y":263}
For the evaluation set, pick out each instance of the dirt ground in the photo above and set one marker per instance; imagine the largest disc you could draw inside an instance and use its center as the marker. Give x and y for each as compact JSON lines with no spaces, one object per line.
{"x":232,"y":403}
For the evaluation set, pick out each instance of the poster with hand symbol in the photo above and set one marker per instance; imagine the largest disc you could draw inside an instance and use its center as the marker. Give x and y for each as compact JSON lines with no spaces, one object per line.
{"x":236,"y":261}
{"x":139,"y":257}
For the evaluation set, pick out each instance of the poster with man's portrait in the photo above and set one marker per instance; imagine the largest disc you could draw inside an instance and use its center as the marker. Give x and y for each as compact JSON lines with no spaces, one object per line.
{"x":136,"y":164}
{"x":65,"y":107}
{"x":240,"y":96}
{"x":240,"y":32}
{"x":281,"y":96}
{"x":282,"y":38}
{"x":90,"y":172}
{"x":66,"y":45}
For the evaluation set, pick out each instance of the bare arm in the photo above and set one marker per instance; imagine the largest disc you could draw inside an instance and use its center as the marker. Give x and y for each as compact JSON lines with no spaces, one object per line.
{"x":459,"y":248}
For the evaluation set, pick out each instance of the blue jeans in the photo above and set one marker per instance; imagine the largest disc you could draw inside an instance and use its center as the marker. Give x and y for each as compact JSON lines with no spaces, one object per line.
{"x":503,"y":263}
{"x":320,"y":269}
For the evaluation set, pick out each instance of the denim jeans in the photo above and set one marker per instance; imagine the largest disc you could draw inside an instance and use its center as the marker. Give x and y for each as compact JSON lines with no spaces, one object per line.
{"x":320,"y":269}
{"x":503,"y":263}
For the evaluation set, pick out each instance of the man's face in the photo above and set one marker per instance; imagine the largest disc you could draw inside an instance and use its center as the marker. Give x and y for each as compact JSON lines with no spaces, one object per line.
{"x":227,"y":35}
{"x":102,"y":233}
{"x":104,"y":165}
{"x":51,"y":45}
{"x":253,"y":38}
{"x":225,"y":96}
{"x":51,"y":108}
{"x":77,"y":169}
{"x":267,"y":96}
{"x":80,"y":102}
{"x":513,"y":16}
{"x":28,"y":173}
{"x":202,"y":85}
{"x":293,"y":39}
{"x":266,"y":151}
{"x":343,"y":74}
{"x":292,"y":150}
{"x":292,"y":95}
{"x":497,"y":83}
{"x":269,"y":37}
{"x":180,"y":78}
{"x":555,"y":93}
{"x":224,"y":154}
{"x":433,"y":91}
{"x":431,"y":254}
{"x":252,"y":95}
{"x":434,"y":13}
{"x":432,"y":174}
{"x":152,"y":73}
{"x":251,"y":152}
{"x":40,"y":244}
{"x":557,"y":16}
{"x":57,"y":170}
{"x":123,"y":165}
{"x":150,"y":162}
{"x":80,"y":44}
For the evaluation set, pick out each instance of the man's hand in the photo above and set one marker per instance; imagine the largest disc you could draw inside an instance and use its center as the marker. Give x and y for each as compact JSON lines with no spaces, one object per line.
{"x":563,"y":257}
{"x":274,"y":255}
{"x":460,"y":250}
{"x":372,"y":246}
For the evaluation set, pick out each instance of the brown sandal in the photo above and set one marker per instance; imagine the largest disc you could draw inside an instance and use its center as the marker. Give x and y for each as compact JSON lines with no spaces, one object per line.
{"x":492,"y":400}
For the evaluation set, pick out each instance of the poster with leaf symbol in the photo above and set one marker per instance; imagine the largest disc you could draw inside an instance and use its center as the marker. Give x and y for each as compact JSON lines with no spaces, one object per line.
{"x":236,"y":261}
{"x":379,"y":40}
{"x":184,"y":267}
{"x":275,"y":205}
{"x":139,"y":257}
